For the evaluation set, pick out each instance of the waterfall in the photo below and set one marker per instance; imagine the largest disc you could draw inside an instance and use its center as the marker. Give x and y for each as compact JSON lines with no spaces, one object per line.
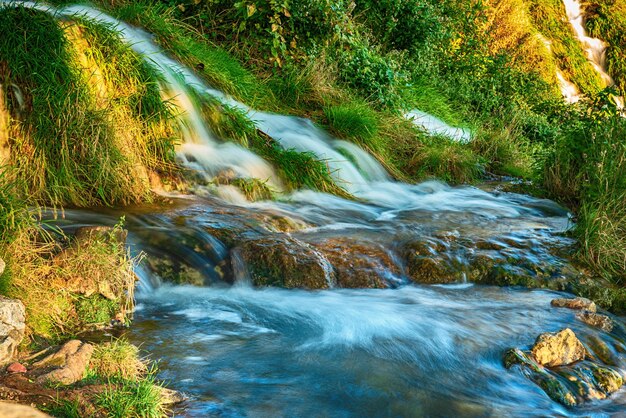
{"x":594,"y":48}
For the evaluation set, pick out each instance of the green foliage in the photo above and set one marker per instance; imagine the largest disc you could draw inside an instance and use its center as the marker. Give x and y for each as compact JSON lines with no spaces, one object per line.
{"x":587,"y":169}
{"x":64,"y":408}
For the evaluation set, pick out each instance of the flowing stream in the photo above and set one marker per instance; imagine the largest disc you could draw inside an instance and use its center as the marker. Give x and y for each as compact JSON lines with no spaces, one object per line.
{"x":403,"y":349}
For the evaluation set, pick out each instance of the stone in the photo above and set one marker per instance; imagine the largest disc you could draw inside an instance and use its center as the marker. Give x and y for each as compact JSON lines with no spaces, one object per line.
{"x":13,"y":410}
{"x":575,"y":303}
{"x":16,"y":368}
{"x":12,"y":328}
{"x":170,"y":397}
{"x":596,"y":320}
{"x":68,"y":364}
{"x":558,"y":349}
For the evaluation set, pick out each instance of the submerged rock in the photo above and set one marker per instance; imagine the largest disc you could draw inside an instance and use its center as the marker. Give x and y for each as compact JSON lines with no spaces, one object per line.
{"x":357,"y":264}
{"x":557,"y":349}
{"x":286,"y":262}
{"x":575,"y":303}
{"x":12,"y":328}
{"x":68,"y":364}
{"x":596,"y":320}
{"x":170,"y":397}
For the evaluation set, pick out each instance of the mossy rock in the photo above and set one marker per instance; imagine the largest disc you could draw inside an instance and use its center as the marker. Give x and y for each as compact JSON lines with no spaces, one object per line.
{"x":286,"y":262}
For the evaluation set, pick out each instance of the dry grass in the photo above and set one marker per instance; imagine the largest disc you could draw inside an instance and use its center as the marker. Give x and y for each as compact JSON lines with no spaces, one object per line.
{"x":118,"y":359}
{"x":54,"y":282}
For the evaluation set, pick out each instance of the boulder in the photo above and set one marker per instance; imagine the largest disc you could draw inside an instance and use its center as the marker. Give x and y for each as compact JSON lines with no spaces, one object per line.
{"x":12,"y":328}
{"x":596,"y":320}
{"x":68,"y":364}
{"x":13,"y":410}
{"x":557,"y":349}
{"x":575,"y":303}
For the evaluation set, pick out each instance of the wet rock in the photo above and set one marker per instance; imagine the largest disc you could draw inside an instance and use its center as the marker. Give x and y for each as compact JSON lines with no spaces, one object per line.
{"x":607,"y":379}
{"x":285,"y":262}
{"x":596,"y":320}
{"x":16,"y":368}
{"x":170,"y":397}
{"x":359,"y":265}
{"x":13,"y":410}
{"x":554,"y":387}
{"x":12,"y":328}
{"x":68,"y":364}
{"x":575,"y":303}
{"x":556,"y":349}
{"x":429,"y":262}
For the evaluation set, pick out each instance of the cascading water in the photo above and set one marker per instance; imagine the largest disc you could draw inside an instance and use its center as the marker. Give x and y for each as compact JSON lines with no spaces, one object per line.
{"x":435,"y":126}
{"x":404,"y":350}
{"x":594,"y":47}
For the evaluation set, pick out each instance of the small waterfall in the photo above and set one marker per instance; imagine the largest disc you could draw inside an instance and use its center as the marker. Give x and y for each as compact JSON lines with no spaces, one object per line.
{"x":594,"y":47}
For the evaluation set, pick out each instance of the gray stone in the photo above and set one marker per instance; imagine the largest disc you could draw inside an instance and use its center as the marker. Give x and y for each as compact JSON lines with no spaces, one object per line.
{"x":12,"y":328}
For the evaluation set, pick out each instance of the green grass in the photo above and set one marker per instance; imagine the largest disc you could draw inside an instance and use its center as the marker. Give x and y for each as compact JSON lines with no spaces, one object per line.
{"x":212,"y":63}
{"x":134,"y":84}
{"x":81,"y":142}
{"x":448,"y":160}
{"x":355,"y":121}
{"x":64,"y":408}
{"x":131,"y":399}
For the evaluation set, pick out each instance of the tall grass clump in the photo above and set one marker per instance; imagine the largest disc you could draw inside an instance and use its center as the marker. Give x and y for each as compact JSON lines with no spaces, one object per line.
{"x":64,"y":152}
{"x":133,"y":96}
{"x":587,"y":170}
